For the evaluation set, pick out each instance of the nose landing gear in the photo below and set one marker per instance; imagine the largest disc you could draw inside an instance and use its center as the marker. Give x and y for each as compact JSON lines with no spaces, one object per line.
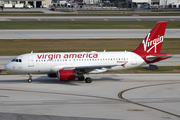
{"x":30,"y":78}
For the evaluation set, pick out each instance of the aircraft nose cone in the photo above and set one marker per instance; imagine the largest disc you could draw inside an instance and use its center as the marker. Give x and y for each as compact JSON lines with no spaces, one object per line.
{"x":7,"y":66}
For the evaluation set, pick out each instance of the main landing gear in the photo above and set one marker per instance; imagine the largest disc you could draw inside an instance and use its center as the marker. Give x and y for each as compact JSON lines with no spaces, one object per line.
{"x":82,"y":78}
{"x":88,"y":80}
{"x":30,"y":78}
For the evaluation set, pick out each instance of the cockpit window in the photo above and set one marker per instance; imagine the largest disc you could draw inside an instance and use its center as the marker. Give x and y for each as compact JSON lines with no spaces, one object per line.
{"x":16,"y":60}
{"x":13,"y":60}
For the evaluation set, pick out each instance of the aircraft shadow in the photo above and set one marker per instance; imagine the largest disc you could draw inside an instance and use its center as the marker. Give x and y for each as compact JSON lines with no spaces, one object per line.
{"x":47,"y":80}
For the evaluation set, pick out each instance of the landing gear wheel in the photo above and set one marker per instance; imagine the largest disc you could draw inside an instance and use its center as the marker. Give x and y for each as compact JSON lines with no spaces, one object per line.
{"x":29,"y":80}
{"x":88,"y":80}
{"x":81,"y":78}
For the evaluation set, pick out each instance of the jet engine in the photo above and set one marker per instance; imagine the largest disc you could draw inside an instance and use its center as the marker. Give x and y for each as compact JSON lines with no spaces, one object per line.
{"x":66,"y":75}
{"x":53,"y":75}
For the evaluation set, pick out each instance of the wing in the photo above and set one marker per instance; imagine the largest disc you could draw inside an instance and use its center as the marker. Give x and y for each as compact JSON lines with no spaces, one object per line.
{"x":91,"y":69}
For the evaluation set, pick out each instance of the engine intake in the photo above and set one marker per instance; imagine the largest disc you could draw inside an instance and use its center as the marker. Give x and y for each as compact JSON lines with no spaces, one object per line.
{"x":53,"y":75}
{"x":66,"y":75}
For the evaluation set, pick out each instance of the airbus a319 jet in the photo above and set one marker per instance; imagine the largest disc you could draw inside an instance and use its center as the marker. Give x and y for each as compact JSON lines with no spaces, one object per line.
{"x":66,"y":66}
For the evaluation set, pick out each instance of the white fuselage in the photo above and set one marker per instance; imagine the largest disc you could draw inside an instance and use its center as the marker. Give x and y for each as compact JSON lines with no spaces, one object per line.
{"x":52,"y":62}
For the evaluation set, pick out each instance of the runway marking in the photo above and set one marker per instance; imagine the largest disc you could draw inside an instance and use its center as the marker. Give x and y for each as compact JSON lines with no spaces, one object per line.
{"x":72,"y":19}
{"x":55,"y":93}
{"x":139,"y":19}
{"x":20,"y":37}
{"x":135,"y":110}
{"x":24,"y":75}
{"x":4,"y":19}
{"x":106,"y":19}
{"x":114,"y":75}
{"x":121,"y":97}
{"x":106,"y":36}
{"x":172,"y":19}
{"x":174,"y":63}
{"x":39,"y":19}
{"x":4,"y":96}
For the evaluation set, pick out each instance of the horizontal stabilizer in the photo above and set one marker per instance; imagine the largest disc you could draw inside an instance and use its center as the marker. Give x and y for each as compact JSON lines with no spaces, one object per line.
{"x":151,"y":58}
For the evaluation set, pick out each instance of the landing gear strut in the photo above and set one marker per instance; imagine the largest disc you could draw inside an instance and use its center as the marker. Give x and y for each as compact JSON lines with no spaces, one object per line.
{"x":81,"y":78}
{"x":30,"y":78}
{"x":88,"y":80}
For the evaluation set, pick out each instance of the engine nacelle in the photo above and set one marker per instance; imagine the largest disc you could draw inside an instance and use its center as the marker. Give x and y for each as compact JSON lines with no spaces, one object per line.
{"x":54,"y":75}
{"x":66,"y":75}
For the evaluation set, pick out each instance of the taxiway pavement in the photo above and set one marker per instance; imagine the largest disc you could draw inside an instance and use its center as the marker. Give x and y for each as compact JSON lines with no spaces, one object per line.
{"x":92,"y":18}
{"x":46,"y":98}
{"x":82,"y":33}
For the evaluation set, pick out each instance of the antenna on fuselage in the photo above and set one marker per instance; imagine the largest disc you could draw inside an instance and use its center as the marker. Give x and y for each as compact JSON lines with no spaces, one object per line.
{"x":104,"y":50}
{"x":31,"y":52}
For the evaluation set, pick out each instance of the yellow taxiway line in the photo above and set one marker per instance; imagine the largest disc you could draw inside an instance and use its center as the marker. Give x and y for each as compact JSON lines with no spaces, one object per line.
{"x":4,"y":19}
{"x":174,"y":63}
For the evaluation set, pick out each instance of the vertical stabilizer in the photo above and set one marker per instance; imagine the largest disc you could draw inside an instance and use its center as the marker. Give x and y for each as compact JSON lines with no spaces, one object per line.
{"x":153,"y":41}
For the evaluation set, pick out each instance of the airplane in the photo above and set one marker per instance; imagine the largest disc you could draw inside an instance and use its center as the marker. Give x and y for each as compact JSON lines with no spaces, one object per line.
{"x":66,"y":66}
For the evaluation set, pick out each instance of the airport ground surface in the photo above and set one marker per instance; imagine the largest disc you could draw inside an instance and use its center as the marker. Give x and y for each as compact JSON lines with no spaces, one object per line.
{"x":108,"y":97}
{"x":82,"y":33}
{"x":92,"y":18}
{"x":152,"y":96}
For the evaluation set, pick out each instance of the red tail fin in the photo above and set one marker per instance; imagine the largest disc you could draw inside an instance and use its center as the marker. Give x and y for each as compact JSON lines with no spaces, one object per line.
{"x":153,"y":41}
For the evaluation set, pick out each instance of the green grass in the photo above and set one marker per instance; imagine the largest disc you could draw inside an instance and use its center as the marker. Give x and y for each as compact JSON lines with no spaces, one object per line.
{"x":162,"y":69}
{"x":83,"y":24}
{"x":16,"y":47}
